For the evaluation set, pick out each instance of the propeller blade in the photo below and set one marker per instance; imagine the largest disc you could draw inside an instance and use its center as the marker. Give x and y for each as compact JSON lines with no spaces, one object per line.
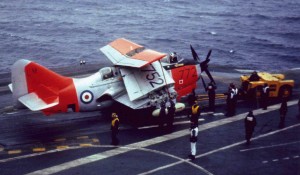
{"x":203,"y":82}
{"x":195,"y":55}
{"x":210,"y":77}
{"x":204,"y":64}
{"x":208,"y":54}
{"x":204,"y":67}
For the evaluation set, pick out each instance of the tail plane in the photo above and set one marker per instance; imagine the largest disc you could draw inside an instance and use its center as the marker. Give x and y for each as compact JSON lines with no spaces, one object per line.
{"x":39,"y":88}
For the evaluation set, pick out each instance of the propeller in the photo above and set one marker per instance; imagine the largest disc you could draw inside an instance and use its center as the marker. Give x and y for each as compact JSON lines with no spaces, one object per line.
{"x":203,"y":65}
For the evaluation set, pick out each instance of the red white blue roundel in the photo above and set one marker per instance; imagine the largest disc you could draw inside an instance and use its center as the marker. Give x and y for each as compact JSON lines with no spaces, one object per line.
{"x":86,"y":96}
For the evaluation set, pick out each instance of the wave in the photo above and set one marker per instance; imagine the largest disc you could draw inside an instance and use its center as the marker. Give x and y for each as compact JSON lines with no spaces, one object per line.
{"x":271,"y":43}
{"x":285,"y":34}
{"x":255,"y":16}
{"x":217,"y":14}
{"x":165,"y":40}
{"x":281,"y":18}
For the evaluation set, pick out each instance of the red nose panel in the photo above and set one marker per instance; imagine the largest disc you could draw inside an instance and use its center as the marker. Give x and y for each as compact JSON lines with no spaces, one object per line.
{"x":185,"y":78}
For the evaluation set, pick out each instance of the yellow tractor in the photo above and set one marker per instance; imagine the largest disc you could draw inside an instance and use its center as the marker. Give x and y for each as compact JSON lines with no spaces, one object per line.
{"x":252,"y":85}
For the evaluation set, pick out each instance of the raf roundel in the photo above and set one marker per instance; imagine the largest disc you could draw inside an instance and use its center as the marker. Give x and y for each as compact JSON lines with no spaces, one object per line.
{"x":86,"y":97}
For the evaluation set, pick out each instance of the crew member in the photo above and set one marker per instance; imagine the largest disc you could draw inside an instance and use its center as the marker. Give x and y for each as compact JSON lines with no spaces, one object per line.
{"x":254,"y":77}
{"x":234,"y":98}
{"x":229,"y":102}
{"x":192,"y":97}
{"x":250,"y":123}
{"x":162,"y":114}
{"x":211,"y":96}
{"x":173,"y":57}
{"x":282,"y":111}
{"x":265,"y":96}
{"x":114,"y":129}
{"x":170,"y":115}
{"x":195,"y":113}
{"x":193,"y":139}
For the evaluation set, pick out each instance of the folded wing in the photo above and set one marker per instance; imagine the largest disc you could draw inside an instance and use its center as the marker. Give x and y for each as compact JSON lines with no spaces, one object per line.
{"x":122,"y":52}
{"x":140,"y":82}
{"x":145,"y":80}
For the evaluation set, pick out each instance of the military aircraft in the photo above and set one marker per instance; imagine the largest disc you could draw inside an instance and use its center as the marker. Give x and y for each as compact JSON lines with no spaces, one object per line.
{"x":139,"y":78}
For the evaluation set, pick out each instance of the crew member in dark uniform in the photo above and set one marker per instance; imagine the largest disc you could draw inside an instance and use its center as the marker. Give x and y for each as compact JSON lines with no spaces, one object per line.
{"x":162,"y":114}
{"x":234,"y":98}
{"x":194,"y":113}
{"x":250,"y":123}
{"x":211,"y":96}
{"x":170,"y":115}
{"x":229,"y":102}
{"x":265,"y":96}
{"x":254,"y":77}
{"x":173,"y":57}
{"x":193,"y":140}
{"x":192,"y":97}
{"x":114,"y":129}
{"x":282,"y":111}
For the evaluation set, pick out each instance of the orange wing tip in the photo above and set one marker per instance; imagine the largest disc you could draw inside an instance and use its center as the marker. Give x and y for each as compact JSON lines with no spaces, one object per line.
{"x":124,"y":46}
{"x":149,"y":55}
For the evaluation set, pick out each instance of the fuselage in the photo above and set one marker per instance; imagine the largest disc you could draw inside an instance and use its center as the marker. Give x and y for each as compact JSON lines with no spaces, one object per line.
{"x":107,"y":84}
{"x":39,"y":88}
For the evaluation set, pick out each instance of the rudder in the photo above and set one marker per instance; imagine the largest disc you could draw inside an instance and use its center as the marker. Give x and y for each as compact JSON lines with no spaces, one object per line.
{"x":30,"y":77}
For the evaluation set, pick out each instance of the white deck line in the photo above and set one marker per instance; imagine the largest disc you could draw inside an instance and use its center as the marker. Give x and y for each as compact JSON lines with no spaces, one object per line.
{"x":149,"y":142}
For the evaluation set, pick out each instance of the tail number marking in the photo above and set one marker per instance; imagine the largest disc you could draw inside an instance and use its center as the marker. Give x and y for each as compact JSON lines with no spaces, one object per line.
{"x":188,"y":70}
{"x":153,"y":77}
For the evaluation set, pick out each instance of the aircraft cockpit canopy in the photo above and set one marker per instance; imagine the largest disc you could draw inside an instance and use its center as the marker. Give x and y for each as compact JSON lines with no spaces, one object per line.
{"x":173,"y":57}
{"x":106,"y":73}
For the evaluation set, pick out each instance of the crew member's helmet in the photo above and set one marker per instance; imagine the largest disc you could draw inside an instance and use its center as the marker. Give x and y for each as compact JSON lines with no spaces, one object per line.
{"x":173,"y":57}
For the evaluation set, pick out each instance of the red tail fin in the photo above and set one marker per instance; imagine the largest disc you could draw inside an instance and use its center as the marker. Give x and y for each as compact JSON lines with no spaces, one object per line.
{"x":47,"y":86}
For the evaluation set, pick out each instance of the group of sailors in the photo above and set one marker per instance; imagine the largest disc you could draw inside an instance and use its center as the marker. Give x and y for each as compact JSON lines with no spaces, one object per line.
{"x":231,"y":101}
{"x":232,"y":97}
{"x":166,"y":115}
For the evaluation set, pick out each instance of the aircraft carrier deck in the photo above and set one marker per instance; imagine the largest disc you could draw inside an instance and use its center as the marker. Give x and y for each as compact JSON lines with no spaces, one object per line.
{"x":79,"y":143}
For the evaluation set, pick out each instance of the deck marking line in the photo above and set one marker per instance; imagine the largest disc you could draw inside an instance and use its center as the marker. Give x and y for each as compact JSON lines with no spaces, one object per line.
{"x":271,"y":146}
{"x":18,"y":151}
{"x":39,"y":149}
{"x":220,"y":149}
{"x":149,"y":142}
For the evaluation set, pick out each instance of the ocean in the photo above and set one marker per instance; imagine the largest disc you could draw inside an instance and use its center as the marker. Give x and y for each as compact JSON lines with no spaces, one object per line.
{"x":256,"y":35}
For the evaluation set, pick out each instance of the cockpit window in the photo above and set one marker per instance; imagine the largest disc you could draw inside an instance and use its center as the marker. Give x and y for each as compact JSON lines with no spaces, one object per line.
{"x":173,"y":58}
{"x":107,"y":73}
